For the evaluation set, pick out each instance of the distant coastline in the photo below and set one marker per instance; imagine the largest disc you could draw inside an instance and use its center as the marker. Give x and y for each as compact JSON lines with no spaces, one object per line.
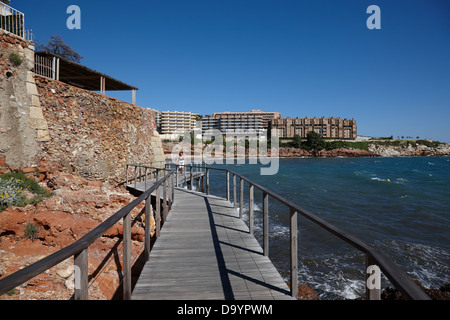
{"x":390,"y":148}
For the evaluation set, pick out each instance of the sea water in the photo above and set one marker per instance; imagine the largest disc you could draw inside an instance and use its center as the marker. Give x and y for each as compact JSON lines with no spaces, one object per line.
{"x":399,"y":205}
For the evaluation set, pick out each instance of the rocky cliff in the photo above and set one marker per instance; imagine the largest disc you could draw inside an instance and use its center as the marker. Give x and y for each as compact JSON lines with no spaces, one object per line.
{"x":410,"y":149}
{"x":93,"y":135}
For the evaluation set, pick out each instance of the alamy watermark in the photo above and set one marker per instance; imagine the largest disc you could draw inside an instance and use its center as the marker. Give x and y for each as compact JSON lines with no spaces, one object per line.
{"x":74,"y":20}
{"x":374,"y":21}
{"x":373,"y":281}
{"x":231,"y":147}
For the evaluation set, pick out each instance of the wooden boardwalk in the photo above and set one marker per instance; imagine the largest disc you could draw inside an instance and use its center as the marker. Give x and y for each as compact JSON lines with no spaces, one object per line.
{"x":206,"y":252}
{"x":141,"y":186}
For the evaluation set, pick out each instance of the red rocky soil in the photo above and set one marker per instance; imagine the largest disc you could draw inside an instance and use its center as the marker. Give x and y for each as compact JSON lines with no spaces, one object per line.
{"x":76,"y":207}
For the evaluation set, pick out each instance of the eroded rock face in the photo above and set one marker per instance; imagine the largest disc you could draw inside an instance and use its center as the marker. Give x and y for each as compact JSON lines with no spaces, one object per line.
{"x":410,"y":151}
{"x":93,"y":135}
{"x":295,"y":152}
{"x":76,"y":207}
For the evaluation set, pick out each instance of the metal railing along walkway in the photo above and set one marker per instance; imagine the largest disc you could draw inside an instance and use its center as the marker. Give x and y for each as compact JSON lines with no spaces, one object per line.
{"x":79,"y":249}
{"x":374,"y":257}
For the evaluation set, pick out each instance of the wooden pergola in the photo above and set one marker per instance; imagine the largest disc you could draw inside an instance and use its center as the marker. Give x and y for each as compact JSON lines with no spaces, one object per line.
{"x":56,"y":67}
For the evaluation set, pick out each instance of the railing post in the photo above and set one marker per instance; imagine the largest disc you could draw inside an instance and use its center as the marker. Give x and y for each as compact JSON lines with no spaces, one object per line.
{"x":207,"y":181}
{"x":158,"y":212}
{"x":165,"y":200}
{"x":266,"y":224}
{"x":234,"y":192}
{"x":147,"y":227}
{"x":190,"y":184}
{"x":173,"y":189}
{"x":145,"y":179}
{"x":250,"y":207}
{"x":228,"y":186}
{"x":373,"y":279}
{"x":176,"y":175}
{"x":135,"y":179}
{"x":127,"y":257}
{"x":127,"y":175}
{"x":170,"y":190}
{"x":81,"y":275}
{"x":241,"y":198}
{"x":293,"y":248}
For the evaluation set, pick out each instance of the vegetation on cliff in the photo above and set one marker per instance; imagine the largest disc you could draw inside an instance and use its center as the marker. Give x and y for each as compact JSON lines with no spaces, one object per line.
{"x":16,"y":189}
{"x":315,"y":141}
{"x":385,"y":147}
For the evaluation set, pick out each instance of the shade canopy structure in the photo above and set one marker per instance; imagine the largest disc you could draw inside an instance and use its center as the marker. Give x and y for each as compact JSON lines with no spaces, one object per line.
{"x":54,"y":66}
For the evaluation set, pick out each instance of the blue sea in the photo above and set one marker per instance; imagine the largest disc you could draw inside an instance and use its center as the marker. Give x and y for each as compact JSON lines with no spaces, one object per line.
{"x":400,"y":205}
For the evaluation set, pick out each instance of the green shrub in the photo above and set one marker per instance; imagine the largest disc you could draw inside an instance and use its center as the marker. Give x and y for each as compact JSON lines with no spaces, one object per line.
{"x":15,"y":59}
{"x":14,"y":188}
{"x":11,"y":194}
{"x":31,"y":231}
{"x":430,"y":144}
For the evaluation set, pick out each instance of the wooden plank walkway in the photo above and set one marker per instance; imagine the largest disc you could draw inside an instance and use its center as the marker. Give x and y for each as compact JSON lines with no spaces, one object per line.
{"x":182,"y":178}
{"x":206,"y":252}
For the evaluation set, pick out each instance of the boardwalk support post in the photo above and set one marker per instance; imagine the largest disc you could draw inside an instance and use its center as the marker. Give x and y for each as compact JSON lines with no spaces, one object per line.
{"x":266,"y":223}
{"x":165,"y":200}
{"x":234,"y":192}
{"x":293,"y":248}
{"x":147,"y":227}
{"x":228,"y":186}
{"x":127,"y":257}
{"x":81,"y":275}
{"x":207,"y":181}
{"x":250,"y":207}
{"x":158,"y":211}
{"x":241,"y":198}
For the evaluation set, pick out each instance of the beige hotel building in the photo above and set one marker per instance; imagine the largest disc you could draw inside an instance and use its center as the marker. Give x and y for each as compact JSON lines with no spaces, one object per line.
{"x":170,"y":122}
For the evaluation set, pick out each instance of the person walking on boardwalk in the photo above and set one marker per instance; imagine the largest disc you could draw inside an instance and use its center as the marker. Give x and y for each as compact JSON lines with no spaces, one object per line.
{"x":180,"y":161}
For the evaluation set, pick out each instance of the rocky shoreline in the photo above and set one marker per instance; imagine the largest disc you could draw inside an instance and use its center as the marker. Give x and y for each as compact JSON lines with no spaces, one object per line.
{"x":381,"y":149}
{"x":341,"y":152}
{"x":409,"y":150}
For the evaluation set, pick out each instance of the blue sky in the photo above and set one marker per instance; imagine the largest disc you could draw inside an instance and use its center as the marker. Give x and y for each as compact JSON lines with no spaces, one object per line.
{"x":302,"y":58}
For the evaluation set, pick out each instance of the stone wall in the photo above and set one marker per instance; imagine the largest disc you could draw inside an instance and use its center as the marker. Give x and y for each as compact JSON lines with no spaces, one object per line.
{"x":22,"y":123}
{"x":44,"y":122}
{"x":93,"y":135}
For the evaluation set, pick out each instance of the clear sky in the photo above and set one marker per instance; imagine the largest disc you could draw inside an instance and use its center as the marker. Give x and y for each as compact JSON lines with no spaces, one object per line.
{"x":302,"y":58}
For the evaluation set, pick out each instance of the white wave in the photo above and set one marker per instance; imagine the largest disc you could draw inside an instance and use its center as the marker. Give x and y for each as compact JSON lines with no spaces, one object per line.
{"x":428,"y":264}
{"x":256,"y":207}
{"x":351,"y":289}
{"x":277,"y":231}
{"x":378,"y":179}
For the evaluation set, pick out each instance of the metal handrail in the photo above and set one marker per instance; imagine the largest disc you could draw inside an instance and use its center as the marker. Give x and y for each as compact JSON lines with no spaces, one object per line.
{"x":373,"y":255}
{"x":79,"y":248}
